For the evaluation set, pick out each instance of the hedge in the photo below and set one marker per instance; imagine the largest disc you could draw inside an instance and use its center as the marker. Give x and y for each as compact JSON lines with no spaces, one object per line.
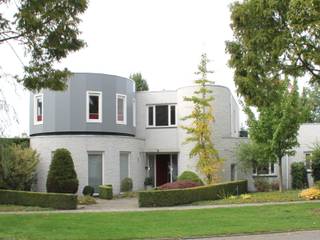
{"x":40,"y":199}
{"x":162,"y":198}
{"x":105,"y":191}
{"x":23,"y":142}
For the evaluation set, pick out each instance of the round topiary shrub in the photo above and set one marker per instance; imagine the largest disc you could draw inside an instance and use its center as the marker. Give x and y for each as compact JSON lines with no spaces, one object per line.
{"x":299,"y":175}
{"x":62,"y":177}
{"x":88,"y":191}
{"x":126,"y":185}
{"x":191,"y":176}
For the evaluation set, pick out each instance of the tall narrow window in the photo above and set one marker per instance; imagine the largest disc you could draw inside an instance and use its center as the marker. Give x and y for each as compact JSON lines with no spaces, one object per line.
{"x":150,"y":115}
{"x":94,"y":106}
{"x":38,"y":109}
{"x":173,"y":115}
{"x":121,"y":109}
{"x":134,"y":109}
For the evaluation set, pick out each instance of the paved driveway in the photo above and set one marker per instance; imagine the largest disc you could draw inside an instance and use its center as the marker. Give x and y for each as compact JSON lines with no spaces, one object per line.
{"x":305,"y":235}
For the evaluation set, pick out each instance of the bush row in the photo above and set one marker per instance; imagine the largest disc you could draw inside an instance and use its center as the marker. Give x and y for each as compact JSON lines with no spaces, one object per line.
{"x":40,"y":199}
{"x":161,"y":198}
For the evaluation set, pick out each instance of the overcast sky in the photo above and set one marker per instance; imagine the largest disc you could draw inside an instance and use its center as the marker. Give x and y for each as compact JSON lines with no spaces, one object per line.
{"x":161,"y":39}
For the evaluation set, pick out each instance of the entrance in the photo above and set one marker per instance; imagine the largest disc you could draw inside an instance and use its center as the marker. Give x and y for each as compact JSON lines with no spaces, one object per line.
{"x":162,"y":172}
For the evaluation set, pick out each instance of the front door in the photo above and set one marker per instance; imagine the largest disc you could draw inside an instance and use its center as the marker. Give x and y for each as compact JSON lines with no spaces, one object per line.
{"x":162,"y":169}
{"x":95,"y":171}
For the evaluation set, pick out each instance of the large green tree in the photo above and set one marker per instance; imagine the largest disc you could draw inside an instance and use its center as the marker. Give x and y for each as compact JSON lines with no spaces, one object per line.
{"x":273,"y":39}
{"x":48,"y":30}
{"x":311,"y":98}
{"x":200,"y":130}
{"x":141,"y":83}
{"x":277,"y":125}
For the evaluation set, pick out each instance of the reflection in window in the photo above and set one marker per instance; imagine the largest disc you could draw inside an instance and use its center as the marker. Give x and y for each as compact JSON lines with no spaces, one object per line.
{"x":94,"y":106}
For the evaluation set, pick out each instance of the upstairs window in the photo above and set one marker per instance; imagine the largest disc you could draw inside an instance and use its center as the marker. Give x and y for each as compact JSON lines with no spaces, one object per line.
{"x":161,"y":115}
{"x":38,"y":109}
{"x":121,"y":107}
{"x":94,"y":106}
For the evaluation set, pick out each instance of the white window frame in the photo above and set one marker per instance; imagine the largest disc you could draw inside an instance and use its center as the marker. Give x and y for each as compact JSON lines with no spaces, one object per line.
{"x":269,"y":174}
{"x":124,"y":97}
{"x":154,"y":116}
{"x":35,"y":117}
{"x":134,"y":112}
{"x":94,"y":93}
{"x":310,"y":161}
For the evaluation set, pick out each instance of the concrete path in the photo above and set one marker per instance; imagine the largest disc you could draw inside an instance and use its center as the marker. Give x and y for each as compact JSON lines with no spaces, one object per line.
{"x":304,"y":235}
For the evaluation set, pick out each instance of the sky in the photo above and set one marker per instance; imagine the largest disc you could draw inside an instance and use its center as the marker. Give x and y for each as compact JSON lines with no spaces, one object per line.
{"x":161,"y":39}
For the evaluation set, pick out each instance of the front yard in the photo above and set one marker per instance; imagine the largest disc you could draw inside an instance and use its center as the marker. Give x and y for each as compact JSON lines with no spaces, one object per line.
{"x":16,"y":208}
{"x":161,"y":224}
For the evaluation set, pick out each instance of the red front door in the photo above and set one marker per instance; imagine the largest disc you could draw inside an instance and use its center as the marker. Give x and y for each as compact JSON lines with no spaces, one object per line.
{"x":162,"y":168}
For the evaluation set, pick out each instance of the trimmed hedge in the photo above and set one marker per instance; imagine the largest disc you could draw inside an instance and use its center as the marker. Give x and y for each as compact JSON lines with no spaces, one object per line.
{"x":162,"y":198}
{"x":191,"y":176}
{"x":105,"y":191}
{"x":40,"y":199}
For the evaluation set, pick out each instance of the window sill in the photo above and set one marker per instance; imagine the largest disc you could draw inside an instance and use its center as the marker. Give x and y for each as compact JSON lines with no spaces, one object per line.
{"x":264,"y":175}
{"x":161,"y":127}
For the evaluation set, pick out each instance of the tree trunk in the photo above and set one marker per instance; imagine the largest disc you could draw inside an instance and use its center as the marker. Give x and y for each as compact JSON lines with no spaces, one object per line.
{"x":280,"y":174}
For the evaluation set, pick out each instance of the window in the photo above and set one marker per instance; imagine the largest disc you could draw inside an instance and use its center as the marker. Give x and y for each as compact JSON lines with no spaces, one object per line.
{"x":38,"y":109}
{"x":134,"y":109}
{"x":94,"y":106}
{"x":161,"y":115}
{"x":121,"y":109}
{"x":264,"y":169}
{"x":308,"y":161}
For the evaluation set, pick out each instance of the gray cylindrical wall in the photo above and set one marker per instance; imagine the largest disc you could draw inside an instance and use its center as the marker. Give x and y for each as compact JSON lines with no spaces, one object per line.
{"x":66,"y":111}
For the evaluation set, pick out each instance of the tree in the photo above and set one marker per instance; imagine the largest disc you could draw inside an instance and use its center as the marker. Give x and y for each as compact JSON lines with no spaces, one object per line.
{"x":62,"y":177}
{"x":48,"y":30}
{"x":311,"y":98}
{"x":17,"y":167}
{"x":273,"y":40}
{"x":141,"y":84}
{"x":200,"y":130}
{"x":278,"y":124}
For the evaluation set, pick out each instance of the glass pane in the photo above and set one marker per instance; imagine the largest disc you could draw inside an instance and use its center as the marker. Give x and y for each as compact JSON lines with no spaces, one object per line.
{"x":173,"y":115}
{"x":124,"y":165}
{"x":120,"y":109}
{"x":95,"y":171}
{"x":308,"y":162}
{"x":162,"y":115}
{"x":174,"y":167}
{"x":150,"y":116}
{"x":93,"y":107}
{"x":39,"y":109}
{"x":263,"y":169}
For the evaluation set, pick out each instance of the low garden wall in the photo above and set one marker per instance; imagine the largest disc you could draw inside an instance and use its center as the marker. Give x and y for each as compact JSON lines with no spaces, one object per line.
{"x":40,"y":199}
{"x":162,"y":198}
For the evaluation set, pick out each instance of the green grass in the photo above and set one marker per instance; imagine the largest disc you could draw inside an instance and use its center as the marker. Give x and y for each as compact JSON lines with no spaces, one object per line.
{"x":15,"y":208}
{"x":287,"y":196}
{"x":160,"y":224}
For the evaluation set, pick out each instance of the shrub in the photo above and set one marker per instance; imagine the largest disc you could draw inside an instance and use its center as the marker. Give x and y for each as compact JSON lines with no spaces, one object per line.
{"x":274,"y":185}
{"x":262,"y":184}
{"x":310,"y":194}
{"x":40,"y":199}
{"x":317,"y":184}
{"x":126,"y":185}
{"x":86,"y":200}
{"x":188,"y":175}
{"x":148,"y":181}
{"x":315,"y":163}
{"x":179,"y":185}
{"x":105,"y":191}
{"x":161,"y":198}
{"x":62,"y":177}
{"x":88,"y":191}
{"x":17,"y":167}
{"x":299,"y":175}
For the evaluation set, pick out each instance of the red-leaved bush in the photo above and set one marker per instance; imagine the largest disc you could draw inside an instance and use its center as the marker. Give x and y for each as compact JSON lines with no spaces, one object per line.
{"x":179,"y":184}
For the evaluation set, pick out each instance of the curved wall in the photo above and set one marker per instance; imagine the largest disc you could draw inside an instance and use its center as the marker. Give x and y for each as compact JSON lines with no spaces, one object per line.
{"x":65,"y":112}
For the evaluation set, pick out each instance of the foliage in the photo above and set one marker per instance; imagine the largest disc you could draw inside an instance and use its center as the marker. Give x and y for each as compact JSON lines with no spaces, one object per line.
{"x":48,"y":30}
{"x":261,"y":184}
{"x":317,"y":184}
{"x":200,"y":130}
{"x":23,"y":142}
{"x":311,"y":98}
{"x":88,"y":191}
{"x":189,"y":175}
{"x":126,"y":185}
{"x":310,"y":194}
{"x":40,"y":199}
{"x":62,"y":177}
{"x":105,"y":191}
{"x":315,"y":162}
{"x":273,"y":39}
{"x":148,"y":181}
{"x":141,"y":84}
{"x":17,"y":167}
{"x":86,"y":200}
{"x":299,"y":175}
{"x":179,"y":185}
{"x":188,"y":195}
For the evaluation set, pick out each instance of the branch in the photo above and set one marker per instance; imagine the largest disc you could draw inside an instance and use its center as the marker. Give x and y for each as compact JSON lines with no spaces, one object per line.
{"x":9,"y":38}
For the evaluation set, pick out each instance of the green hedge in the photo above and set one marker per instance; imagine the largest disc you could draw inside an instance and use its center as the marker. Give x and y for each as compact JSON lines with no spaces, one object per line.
{"x":105,"y":191}
{"x":23,"y":142}
{"x":40,"y":199}
{"x":162,"y":198}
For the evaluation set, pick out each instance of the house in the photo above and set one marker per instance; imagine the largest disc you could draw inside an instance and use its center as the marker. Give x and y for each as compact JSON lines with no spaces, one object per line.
{"x":114,"y":132}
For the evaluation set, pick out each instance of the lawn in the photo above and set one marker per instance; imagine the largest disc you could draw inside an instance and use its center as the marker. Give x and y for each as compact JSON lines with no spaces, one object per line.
{"x":15,"y":208}
{"x":161,"y":224}
{"x":287,"y":196}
